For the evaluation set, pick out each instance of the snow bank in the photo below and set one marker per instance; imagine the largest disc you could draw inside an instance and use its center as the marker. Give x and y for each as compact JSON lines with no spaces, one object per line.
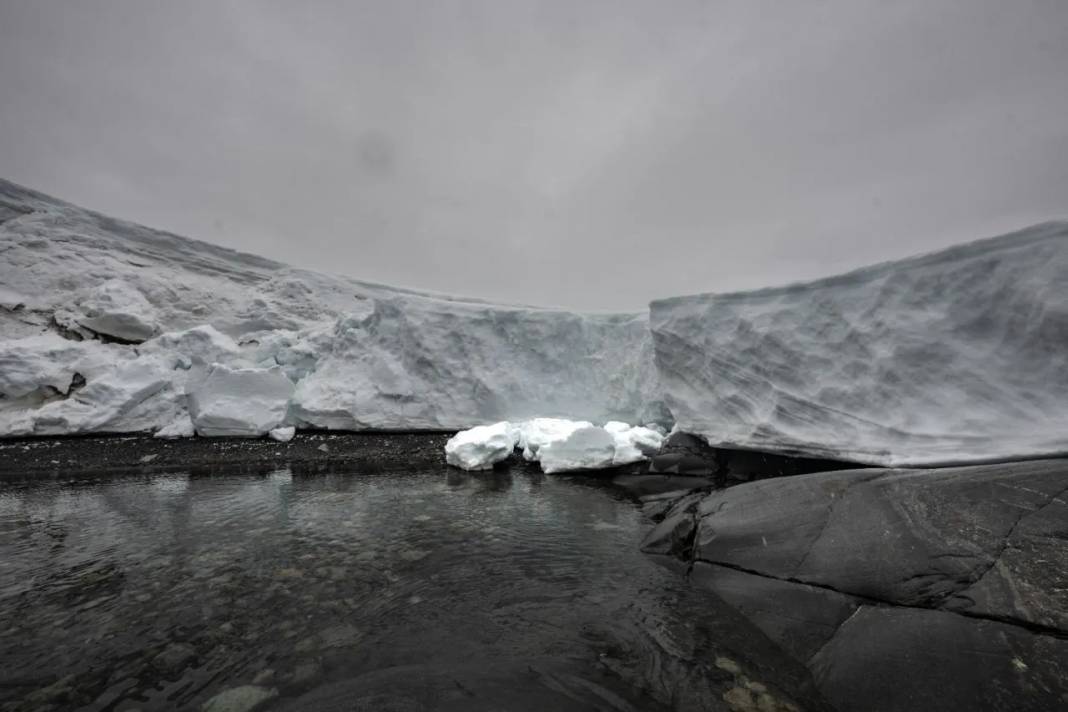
{"x":361,"y":356}
{"x":958,"y":356}
{"x":558,"y":445}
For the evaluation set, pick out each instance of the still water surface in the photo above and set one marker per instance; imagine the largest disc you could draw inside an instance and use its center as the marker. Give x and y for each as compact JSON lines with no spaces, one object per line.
{"x":404,"y":591}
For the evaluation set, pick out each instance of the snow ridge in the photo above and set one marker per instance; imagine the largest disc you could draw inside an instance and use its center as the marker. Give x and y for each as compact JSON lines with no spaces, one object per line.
{"x":166,"y":334}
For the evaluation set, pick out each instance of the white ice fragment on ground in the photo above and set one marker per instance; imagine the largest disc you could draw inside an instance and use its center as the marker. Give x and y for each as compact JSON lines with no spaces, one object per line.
{"x":587,"y":448}
{"x":180,"y":427}
{"x":241,"y":402}
{"x":284,"y":434}
{"x":481,"y":447}
{"x":633,"y":444}
{"x":116,"y":308}
{"x":557,"y":444}
{"x":538,"y":432}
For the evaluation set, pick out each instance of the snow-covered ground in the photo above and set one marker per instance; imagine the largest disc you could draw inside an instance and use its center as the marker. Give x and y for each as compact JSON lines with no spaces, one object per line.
{"x":953,"y":357}
{"x":110,"y":326}
{"x":557,"y":444}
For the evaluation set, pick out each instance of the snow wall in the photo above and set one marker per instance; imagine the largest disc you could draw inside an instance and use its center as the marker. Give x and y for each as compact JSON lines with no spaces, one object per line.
{"x":957,"y":356}
{"x":108,"y":326}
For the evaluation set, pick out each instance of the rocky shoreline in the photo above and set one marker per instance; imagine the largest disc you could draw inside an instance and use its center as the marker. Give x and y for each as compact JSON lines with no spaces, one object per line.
{"x":896,"y":588}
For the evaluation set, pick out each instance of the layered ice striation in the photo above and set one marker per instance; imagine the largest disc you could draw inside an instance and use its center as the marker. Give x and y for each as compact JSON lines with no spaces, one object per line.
{"x":108,"y":326}
{"x":953,"y":357}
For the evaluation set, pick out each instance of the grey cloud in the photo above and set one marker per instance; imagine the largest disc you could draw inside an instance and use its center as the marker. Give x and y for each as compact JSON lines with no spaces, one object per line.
{"x":590,"y":154}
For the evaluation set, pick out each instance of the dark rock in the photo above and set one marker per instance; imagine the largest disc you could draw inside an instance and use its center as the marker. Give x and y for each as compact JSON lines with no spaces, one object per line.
{"x":799,"y":618}
{"x":533,"y":685}
{"x":173,"y":659}
{"x":752,"y":464}
{"x":900,"y":589}
{"x":905,"y":659}
{"x":680,"y":464}
{"x":655,"y":506}
{"x":908,"y":537}
{"x":642,"y":485}
{"x":687,"y":444}
{"x":1028,"y":581}
{"x":675,"y":534}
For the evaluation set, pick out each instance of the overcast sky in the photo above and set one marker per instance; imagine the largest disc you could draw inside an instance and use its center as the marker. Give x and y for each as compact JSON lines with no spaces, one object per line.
{"x":575,"y":153}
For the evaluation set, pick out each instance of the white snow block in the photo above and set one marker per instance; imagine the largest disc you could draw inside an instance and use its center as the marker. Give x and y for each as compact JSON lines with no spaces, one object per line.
{"x":129,"y":397}
{"x":239,"y":402}
{"x":953,"y":357}
{"x":284,"y":434}
{"x":588,"y":448}
{"x":536,"y":433}
{"x":180,"y":427}
{"x":481,"y":447}
{"x":116,"y":308}
{"x":633,"y":444}
{"x":48,"y":361}
{"x":201,"y":345}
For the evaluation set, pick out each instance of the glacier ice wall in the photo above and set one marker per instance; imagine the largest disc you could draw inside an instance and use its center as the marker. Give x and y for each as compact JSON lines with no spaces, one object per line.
{"x":952,"y":357}
{"x":106,"y":325}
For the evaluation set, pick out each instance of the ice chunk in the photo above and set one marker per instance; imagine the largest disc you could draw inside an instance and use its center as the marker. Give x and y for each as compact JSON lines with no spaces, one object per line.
{"x":284,"y":434}
{"x":202,"y":344}
{"x":556,"y":443}
{"x":536,"y":433}
{"x":50,"y":361}
{"x":481,"y":447}
{"x":117,"y":309}
{"x":240,"y":402}
{"x":633,"y":444}
{"x":130,"y":397}
{"x":587,"y":448}
{"x":180,"y":427}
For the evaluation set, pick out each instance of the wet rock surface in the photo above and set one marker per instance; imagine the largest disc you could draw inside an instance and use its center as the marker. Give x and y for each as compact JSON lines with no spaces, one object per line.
{"x":899,"y":589}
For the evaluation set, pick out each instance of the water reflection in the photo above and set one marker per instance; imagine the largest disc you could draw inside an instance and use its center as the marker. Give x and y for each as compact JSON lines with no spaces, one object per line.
{"x":161,"y":592}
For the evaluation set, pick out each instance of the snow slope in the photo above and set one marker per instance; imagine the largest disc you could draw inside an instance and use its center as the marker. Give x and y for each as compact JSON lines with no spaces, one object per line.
{"x":957,"y":356}
{"x":110,"y":326}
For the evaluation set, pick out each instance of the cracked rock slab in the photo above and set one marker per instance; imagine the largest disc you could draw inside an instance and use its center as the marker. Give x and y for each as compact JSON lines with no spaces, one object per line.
{"x":900,"y":589}
{"x":886,"y":659}
{"x":988,"y":539}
